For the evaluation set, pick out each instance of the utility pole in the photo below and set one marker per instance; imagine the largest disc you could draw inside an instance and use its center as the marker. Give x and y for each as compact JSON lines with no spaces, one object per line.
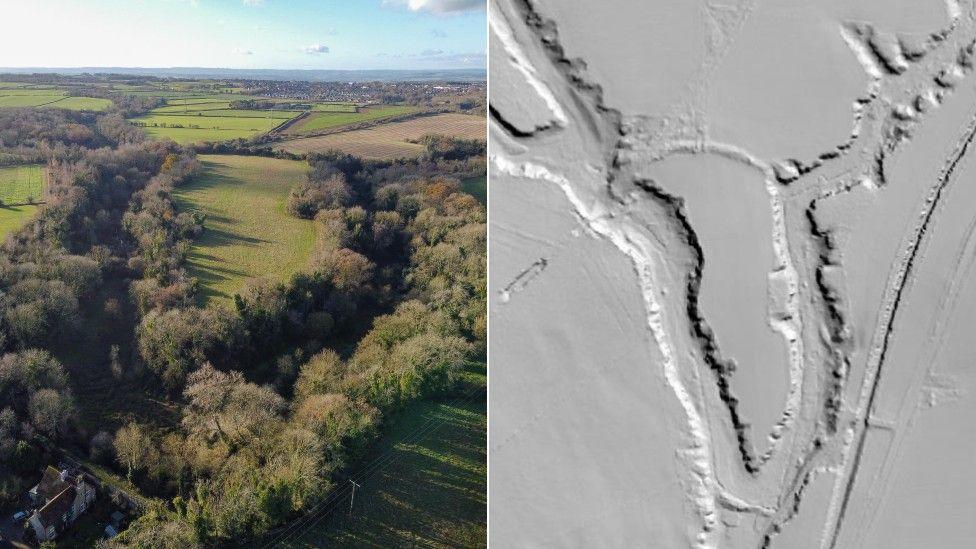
{"x":353,"y":497}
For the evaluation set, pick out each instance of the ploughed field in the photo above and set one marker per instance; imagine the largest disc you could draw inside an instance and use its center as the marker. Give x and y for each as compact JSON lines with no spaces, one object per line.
{"x":247,"y":232}
{"x":392,"y":140}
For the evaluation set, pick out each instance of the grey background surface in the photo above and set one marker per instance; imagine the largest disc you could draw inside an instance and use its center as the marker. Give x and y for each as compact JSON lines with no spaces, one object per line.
{"x":731,"y":273}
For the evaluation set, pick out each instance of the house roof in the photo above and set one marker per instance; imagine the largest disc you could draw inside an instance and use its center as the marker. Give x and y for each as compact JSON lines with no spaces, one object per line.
{"x":57,"y":507}
{"x":51,"y":484}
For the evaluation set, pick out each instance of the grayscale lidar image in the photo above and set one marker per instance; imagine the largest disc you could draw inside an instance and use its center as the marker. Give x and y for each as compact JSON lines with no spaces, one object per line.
{"x":732,"y":290}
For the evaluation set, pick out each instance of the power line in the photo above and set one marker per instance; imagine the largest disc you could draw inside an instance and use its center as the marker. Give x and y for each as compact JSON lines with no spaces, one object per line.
{"x":331,"y":503}
{"x":327,"y":506}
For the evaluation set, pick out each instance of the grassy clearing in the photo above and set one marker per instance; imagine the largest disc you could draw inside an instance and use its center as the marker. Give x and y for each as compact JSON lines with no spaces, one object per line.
{"x":14,"y":217}
{"x":82,"y":104}
{"x":17,"y":184}
{"x":392,"y":140}
{"x":248,"y":233}
{"x":434,"y":491}
{"x":476,"y":187}
{"x":319,"y":121}
{"x":20,"y":183}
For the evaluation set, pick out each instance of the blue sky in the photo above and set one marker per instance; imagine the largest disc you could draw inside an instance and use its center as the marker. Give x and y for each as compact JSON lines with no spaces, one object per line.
{"x":267,"y":34}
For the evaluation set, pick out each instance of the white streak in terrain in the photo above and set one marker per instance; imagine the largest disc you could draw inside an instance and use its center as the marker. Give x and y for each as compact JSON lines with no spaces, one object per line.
{"x":707,"y":489}
{"x":521,"y":62}
{"x":791,"y":326}
{"x":896,"y":283}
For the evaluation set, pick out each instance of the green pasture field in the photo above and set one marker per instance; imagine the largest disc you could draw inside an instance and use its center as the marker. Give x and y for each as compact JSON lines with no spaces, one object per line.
{"x":82,"y":103}
{"x":178,"y":106}
{"x":163,"y":93}
{"x":14,"y":217}
{"x":50,"y":97}
{"x":34,"y":91}
{"x":208,"y":122}
{"x":233,"y":113}
{"x":27,"y":100}
{"x":432,"y":492}
{"x":335,"y":107}
{"x":19,"y":183}
{"x":184,"y":136}
{"x":248,"y":232}
{"x":327,"y":120}
{"x":204,"y":128}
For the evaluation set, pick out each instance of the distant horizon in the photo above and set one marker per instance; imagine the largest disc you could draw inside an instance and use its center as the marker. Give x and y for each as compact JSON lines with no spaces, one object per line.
{"x":474,"y":73}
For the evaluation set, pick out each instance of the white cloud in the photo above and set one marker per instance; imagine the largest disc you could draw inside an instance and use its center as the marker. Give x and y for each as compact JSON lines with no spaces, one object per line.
{"x":252,"y":2}
{"x":431,"y":53}
{"x":243,"y":51}
{"x":316,"y":49}
{"x":439,"y":6}
{"x":437,"y":33}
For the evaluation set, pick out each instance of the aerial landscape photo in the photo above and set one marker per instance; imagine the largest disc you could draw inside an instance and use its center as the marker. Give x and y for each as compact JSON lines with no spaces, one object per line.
{"x":243,"y":274}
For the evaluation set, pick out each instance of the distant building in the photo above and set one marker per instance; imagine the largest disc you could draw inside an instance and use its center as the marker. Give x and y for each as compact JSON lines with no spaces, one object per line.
{"x":63,"y":498}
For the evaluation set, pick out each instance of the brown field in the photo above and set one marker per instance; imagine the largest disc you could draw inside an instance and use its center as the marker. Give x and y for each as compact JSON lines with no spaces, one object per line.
{"x":393,"y":140}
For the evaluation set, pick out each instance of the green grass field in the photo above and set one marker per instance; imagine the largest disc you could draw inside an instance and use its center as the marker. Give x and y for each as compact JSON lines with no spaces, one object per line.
{"x":35,"y":91}
{"x":14,"y":217}
{"x":319,"y":121}
{"x":28,"y":99}
{"x":247,"y":233}
{"x":191,"y":105}
{"x":476,"y":187}
{"x":233,"y":113}
{"x":204,"y":128}
{"x":190,"y":135}
{"x":433,"y":493}
{"x":82,"y":104}
{"x":49,"y":97}
{"x":334,"y":107}
{"x":18,"y":183}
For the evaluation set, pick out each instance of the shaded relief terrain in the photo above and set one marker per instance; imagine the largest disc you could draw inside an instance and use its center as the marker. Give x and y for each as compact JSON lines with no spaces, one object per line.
{"x":733,"y":273}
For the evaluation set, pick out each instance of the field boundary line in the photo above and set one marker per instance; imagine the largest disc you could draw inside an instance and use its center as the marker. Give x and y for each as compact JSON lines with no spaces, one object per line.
{"x":366,"y":124}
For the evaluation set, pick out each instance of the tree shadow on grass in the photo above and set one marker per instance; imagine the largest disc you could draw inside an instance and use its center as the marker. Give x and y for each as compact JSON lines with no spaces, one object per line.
{"x":212,"y":237}
{"x":432,"y":494}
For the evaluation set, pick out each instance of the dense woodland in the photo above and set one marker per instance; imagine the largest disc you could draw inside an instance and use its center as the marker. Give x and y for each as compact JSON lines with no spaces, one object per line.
{"x":274,"y":393}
